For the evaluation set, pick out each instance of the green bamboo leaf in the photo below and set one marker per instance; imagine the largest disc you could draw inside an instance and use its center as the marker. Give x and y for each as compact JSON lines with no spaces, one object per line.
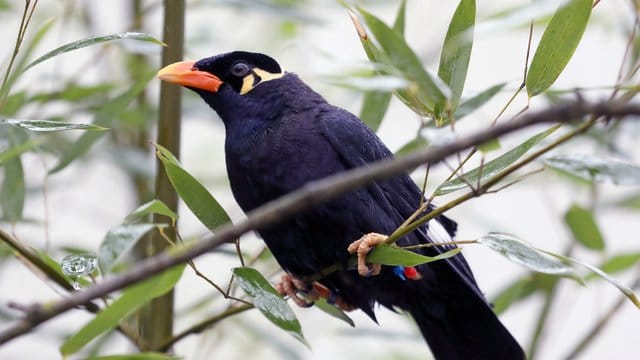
{"x":137,"y":356}
{"x":203,"y":205}
{"x":584,"y":228}
{"x":13,"y":190}
{"x":15,"y":151}
{"x":524,"y":254}
{"x":594,"y":168}
{"x":473,"y":103}
{"x":631,"y":202}
{"x":494,"y":166}
{"x":50,"y":126}
{"x":94,"y":40}
{"x":513,"y":293}
{"x":417,"y":143}
{"x":558,"y":43}
{"x":266,"y":299}
{"x":107,"y":114}
{"x":118,"y":243}
{"x":375,"y":103}
{"x":489,"y":146}
{"x":154,"y":206}
{"x":430,"y":90}
{"x":393,"y":255}
{"x":25,"y":52}
{"x":456,"y":51}
{"x":629,"y":293}
{"x":374,"y":107}
{"x":334,"y":311}
{"x":618,"y":263}
{"x":131,"y":300}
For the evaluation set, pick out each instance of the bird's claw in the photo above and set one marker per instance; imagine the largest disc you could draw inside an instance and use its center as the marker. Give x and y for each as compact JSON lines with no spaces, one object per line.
{"x":362,"y":247}
{"x":292,"y":287}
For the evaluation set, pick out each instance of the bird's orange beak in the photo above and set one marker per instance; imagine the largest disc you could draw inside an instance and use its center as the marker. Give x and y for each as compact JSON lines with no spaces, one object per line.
{"x":183,"y":73}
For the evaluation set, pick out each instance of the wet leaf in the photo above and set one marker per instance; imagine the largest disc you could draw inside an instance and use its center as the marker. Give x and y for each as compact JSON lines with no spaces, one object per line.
{"x":524,"y":254}
{"x":131,"y":300}
{"x":77,"y":265}
{"x":203,"y":205}
{"x":594,"y":168}
{"x":584,"y":228}
{"x":118,"y":243}
{"x":490,"y":168}
{"x":558,"y":43}
{"x":393,"y":255}
{"x":50,"y":126}
{"x":629,"y":293}
{"x":266,"y":299}
{"x":94,"y":40}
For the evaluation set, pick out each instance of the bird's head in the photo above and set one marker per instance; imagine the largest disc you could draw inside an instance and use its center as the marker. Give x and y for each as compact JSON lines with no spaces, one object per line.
{"x":242,"y":71}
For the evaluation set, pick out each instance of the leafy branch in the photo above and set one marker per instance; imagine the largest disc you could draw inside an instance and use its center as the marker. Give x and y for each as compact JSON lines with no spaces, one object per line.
{"x":308,"y":196}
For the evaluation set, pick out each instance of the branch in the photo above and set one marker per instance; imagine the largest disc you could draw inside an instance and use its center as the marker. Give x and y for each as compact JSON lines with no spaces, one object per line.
{"x":312,"y":194}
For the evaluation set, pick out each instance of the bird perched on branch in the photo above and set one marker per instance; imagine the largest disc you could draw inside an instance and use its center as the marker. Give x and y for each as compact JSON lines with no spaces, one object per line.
{"x":280,"y":135}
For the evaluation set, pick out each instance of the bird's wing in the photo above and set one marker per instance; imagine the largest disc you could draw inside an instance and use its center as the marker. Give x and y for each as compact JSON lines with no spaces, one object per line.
{"x":357,"y":146}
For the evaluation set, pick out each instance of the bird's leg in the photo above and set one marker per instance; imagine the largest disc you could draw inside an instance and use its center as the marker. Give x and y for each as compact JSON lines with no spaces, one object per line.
{"x":362,"y":247}
{"x":290,"y":286}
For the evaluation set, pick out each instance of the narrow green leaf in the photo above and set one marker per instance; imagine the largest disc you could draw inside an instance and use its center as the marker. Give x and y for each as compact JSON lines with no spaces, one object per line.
{"x":558,"y":43}
{"x":15,"y":150}
{"x":489,"y":146}
{"x":13,"y":190}
{"x":137,"y":356}
{"x":524,"y":254}
{"x":154,"y":206}
{"x":629,"y":293}
{"x":374,"y":107}
{"x":618,"y":263}
{"x":94,"y":40}
{"x":516,"y":291}
{"x":25,"y":52}
{"x":456,"y":51}
{"x":203,"y":205}
{"x":594,"y":168}
{"x":631,"y":202}
{"x":118,"y":242}
{"x":473,"y":103}
{"x":334,"y":311}
{"x":494,"y":166}
{"x":416,"y":144}
{"x":375,"y":103}
{"x":584,"y":228}
{"x":268,"y":301}
{"x":50,"y":126}
{"x":393,"y":255}
{"x":430,"y":90}
{"x":132,"y":299}
{"x":107,"y":114}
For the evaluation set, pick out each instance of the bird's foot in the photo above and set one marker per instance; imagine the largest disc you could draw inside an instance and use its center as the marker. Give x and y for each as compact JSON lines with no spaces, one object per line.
{"x":362,"y":247}
{"x":292,"y":287}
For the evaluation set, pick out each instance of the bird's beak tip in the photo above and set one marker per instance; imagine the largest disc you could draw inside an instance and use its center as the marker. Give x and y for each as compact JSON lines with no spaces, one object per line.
{"x":184,"y":73}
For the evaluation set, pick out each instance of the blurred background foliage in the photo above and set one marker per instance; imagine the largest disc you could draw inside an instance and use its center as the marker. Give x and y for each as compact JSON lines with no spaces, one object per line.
{"x":67,"y":188}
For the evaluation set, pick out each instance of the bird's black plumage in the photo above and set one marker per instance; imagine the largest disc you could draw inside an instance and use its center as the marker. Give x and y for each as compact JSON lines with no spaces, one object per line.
{"x":280,"y":135}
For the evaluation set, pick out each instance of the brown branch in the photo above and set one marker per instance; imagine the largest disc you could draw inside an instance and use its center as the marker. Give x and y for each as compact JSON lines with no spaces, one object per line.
{"x":310,"y":195}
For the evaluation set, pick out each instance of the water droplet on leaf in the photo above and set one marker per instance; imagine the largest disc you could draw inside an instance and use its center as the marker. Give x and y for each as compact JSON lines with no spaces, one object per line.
{"x":79,"y":265}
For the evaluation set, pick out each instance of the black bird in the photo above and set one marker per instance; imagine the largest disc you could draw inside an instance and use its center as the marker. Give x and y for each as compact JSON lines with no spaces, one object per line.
{"x":280,"y":135}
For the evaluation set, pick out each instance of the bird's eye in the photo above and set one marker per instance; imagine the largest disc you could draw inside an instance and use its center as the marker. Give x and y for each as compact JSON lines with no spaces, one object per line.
{"x":240,"y":69}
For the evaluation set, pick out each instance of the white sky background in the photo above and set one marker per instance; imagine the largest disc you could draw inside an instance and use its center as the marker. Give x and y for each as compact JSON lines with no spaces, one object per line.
{"x":532,"y":210}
